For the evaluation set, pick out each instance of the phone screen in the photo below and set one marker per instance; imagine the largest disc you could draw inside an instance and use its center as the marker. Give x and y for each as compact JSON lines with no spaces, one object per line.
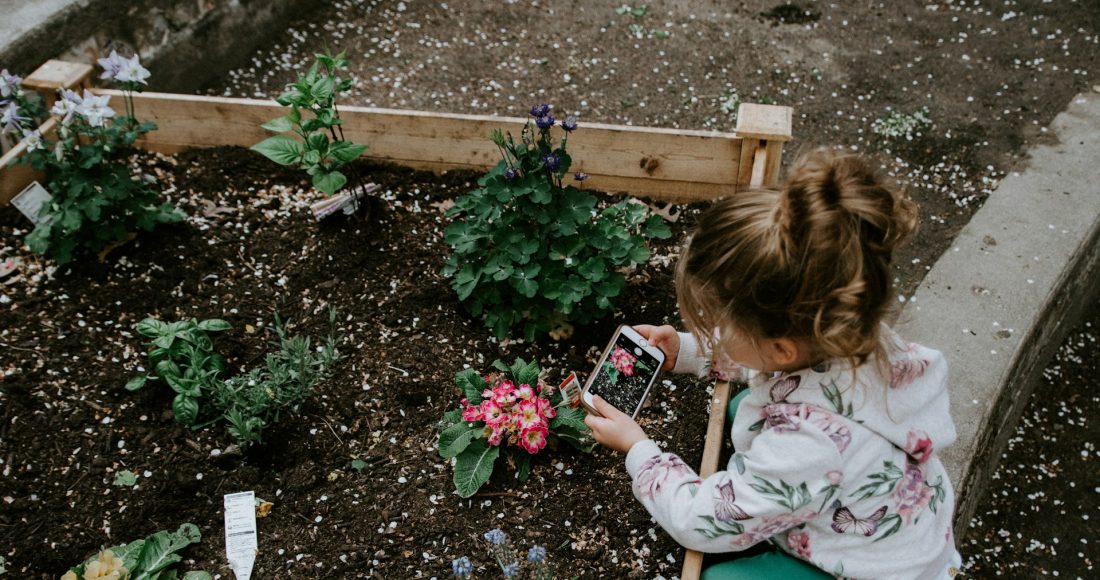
{"x":625,"y":375}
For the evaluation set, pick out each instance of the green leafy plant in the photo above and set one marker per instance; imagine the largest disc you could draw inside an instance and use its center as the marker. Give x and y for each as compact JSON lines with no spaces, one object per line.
{"x":253,"y":401}
{"x":318,"y":145}
{"x":125,"y":478}
{"x":150,"y":559}
{"x":510,"y":409}
{"x":183,"y":356}
{"x":96,"y":198}
{"x":898,"y":124}
{"x":532,"y":251}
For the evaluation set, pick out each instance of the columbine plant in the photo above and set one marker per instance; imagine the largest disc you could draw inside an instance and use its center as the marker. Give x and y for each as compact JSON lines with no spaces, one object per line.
{"x":20,"y":111}
{"x":533,"y":251}
{"x":150,"y":559}
{"x":96,"y":200}
{"x":320,"y":148}
{"x":512,"y":410}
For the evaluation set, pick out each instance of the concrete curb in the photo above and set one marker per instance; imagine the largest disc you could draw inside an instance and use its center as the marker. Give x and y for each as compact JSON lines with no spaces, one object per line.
{"x":1002,"y":299}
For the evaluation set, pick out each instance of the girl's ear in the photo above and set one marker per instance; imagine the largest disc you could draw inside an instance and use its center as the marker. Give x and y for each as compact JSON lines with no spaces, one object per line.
{"x":787,"y":353}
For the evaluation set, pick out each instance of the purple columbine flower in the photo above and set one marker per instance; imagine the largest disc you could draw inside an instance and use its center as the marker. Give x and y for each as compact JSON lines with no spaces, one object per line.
{"x":540,"y":110}
{"x":94,"y":109}
{"x":545,"y":122}
{"x":67,"y":106}
{"x":569,"y":124}
{"x":551,"y":162}
{"x":112,"y":65}
{"x":132,"y":71}
{"x":9,"y":83}
{"x":510,"y":173}
{"x":580,"y":176}
{"x":33,"y":139}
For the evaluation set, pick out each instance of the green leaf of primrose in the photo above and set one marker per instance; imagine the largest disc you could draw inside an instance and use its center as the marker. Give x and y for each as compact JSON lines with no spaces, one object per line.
{"x":523,"y":466}
{"x":159,"y":551}
{"x":281,"y":149}
{"x":456,"y":438}
{"x":472,"y":384}
{"x":474,"y":466}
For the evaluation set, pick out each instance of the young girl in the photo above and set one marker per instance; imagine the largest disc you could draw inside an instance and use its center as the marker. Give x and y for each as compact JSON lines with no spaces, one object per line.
{"x":835,"y":440}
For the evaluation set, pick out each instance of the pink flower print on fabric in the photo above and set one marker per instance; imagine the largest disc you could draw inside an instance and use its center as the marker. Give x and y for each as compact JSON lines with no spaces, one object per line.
{"x":904,"y":372}
{"x":770,"y":526}
{"x":844,"y":522}
{"x":918,"y":445}
{"x":911,"y":493}
{"x":655,"y":473}
{"x":779,"y":417}
{"x":799,"y":543}
{"x":623,"y":361}
{"x":724,"y":507}
{"x":782,"y":388}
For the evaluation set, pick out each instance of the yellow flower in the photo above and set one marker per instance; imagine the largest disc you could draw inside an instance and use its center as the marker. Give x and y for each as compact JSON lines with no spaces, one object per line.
{"x":69,"y":576}
{"x":106,"y":567}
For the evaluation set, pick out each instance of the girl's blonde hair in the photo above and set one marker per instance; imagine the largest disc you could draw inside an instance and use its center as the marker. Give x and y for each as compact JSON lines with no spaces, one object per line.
{"x":810,"y":260}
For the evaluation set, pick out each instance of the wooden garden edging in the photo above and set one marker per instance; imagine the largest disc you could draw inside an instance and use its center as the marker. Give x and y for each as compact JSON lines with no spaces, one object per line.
{"x":664,"y":164}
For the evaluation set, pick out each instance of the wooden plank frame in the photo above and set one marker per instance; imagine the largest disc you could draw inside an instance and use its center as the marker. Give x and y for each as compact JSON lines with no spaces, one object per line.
{"x":664,"y":164}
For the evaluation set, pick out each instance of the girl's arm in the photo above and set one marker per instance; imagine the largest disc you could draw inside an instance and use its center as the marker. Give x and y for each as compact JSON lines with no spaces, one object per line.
{"x":787,"y":477}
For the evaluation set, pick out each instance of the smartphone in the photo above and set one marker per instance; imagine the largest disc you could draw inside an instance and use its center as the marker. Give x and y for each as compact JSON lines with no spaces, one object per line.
{"x":627,"y":369}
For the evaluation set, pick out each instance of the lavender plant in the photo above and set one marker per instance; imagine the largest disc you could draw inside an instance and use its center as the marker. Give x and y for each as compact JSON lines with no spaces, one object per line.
{"x":96,"y":199}
{"x":320,"y":147}
{"x":532,"y":251}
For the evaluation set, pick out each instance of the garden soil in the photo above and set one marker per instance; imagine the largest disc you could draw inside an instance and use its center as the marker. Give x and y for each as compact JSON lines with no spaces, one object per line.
{"x":991,"y":77}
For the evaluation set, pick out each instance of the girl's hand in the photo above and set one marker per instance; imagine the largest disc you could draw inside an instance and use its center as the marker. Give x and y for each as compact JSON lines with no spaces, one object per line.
{"x":615,"y":429}
{"x":664,"y":338}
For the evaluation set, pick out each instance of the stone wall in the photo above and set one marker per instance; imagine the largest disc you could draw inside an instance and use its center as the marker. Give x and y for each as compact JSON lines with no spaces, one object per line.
{"x":184,"y":43}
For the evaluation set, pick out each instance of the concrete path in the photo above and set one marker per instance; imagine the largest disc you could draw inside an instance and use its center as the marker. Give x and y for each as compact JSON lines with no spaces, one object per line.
{"x":1000,"y":301}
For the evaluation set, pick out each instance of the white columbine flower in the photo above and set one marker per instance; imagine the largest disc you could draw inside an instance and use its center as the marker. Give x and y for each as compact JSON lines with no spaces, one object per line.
{"x":112,"y":65}
{"x":10,"y":119}
{"x":68,"y":105}
{"x":9,"y":84}
{"x":95,"y":109}
{"x":132,"y":72}
{"x":33,"y":139}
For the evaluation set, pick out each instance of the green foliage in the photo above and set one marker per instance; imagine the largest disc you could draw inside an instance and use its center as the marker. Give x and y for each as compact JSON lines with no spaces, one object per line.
{"x":96,"y":198}
{"x":253,"y":401}
{"x":183,"y":356}
{"x":151,"y":558}
{"x":471,"y":444}
{"x":125,"y":478}
{"x":531,"y":252}
{"x":320,"y":148}
{"x":898,"y":124}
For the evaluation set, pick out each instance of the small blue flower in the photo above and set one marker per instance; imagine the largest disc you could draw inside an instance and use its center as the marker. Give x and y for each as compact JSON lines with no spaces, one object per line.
{"x":536,"y":554}
{"x":551,"y":162}
{"x":462,"y":567}
{"x":495,"y":537}
{"x":510,"y":173}
{"x":545,"y":121}
{"x":510,"y":570}
{"x":540,"y":110}
{"x":569,"y":124}
{"x":580,"y":176}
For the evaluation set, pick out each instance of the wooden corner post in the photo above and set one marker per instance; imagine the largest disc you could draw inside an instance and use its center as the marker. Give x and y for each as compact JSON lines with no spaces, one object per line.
{"x":763,"y":130}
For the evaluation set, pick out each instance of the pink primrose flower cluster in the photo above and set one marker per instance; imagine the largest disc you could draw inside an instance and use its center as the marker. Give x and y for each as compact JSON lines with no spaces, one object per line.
{"x":516,"y":415}
{"x":623,"y":361}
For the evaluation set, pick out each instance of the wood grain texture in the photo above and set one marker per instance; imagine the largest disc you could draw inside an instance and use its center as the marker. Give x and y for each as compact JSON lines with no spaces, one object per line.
{"x":13,"y":176}
{"x":712,"y":450}
{"x":767,"y":122}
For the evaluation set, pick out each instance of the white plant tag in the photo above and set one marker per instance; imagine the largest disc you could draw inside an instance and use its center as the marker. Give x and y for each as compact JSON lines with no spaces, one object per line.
{"x":30,"y":201}
{"x":241,"y":544}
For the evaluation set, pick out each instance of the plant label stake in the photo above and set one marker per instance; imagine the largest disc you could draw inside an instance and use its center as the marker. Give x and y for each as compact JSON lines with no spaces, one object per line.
{"x":30,"y":201}
{"x":348,"y":202}
{"x":240,"y":532}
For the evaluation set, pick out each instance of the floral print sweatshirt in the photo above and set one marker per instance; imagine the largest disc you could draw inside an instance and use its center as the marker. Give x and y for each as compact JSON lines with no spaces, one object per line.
{"x":841,"y":473}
